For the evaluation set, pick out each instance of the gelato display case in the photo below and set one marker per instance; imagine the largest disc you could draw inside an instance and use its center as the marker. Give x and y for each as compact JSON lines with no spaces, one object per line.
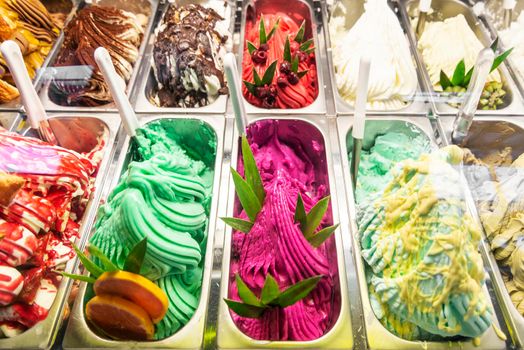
{"x":198,"y":226}
{"x":51,"y":210}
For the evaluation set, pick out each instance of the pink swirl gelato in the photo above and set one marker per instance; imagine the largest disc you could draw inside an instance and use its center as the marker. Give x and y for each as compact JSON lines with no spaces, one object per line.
{"x":275,"y":245}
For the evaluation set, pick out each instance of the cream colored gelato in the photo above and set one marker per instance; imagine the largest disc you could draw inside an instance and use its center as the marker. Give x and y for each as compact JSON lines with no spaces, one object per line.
{"x":444,"y":43}
{"x":377,"y":33}
{"x":514,"y":37}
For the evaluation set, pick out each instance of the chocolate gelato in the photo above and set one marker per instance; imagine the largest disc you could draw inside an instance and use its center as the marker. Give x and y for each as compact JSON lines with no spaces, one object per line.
{"x":187,"y":56}
{"x":81,"y":83}
{"x":32,"y":27}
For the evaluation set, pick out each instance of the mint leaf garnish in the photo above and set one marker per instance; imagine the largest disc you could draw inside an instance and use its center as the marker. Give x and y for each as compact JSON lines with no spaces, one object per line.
{"x":136,"y":256}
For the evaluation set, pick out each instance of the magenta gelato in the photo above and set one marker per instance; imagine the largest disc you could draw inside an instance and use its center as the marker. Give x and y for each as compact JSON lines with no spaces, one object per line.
{"x":289,"y":165}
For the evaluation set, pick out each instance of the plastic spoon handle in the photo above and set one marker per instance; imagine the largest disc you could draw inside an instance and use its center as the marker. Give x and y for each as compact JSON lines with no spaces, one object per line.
{"x":117,"y":87}
{"x":360,"y":114}
{"x":361,"y":98}
{"x":34,"y":108}
{"x":424,"y":6}
{"x":476,"y":86}
{"x":235,"y":91}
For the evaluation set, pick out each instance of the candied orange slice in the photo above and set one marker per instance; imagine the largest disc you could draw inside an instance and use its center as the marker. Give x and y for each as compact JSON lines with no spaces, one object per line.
{"x":135,"y":288}
{"x":120,"y":318}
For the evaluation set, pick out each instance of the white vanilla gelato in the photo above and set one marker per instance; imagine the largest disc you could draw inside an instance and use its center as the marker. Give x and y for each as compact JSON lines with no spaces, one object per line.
{"x":444,"y":43}
{"x":377,"y":33}
{"x":514,"y":37}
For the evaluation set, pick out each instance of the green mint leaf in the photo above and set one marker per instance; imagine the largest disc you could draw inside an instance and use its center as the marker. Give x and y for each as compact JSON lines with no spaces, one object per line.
{"x":499,"y":59}
{"x":458,"y":74}
{"x":444,"y":80}
{"x":267,"y":79}
{"x":321,"y":236}
{"x":247,"y":197}
{"x":238,"y":224}
{"x":251,"y":172}
{"x":314,"y":217}
{"x":294,"y":64}
{"x":245,"y":310}
{"x":495,"y":44}
{"x":250,"y":87}
{"x":136,"y":256}
{"x":78,"y":277}
{"x":262,"y":31}
{"x":287,"y":50}
{"x":256,"y":77}
{"x":306,"y":45}
{"x":245,"y":294}
{"x":97,"y":253}
{"x":273,"y":30}
{"x":310,"y":50}
{"x":301,"y":31}
{"x":270,"y":291}
{"x":251,"y":47}
{"x":302,"y":73}
{"x":90,"y":266}
{"x":300,"y":212}
{"x":467,"y":78}
{"x":297,"y":291}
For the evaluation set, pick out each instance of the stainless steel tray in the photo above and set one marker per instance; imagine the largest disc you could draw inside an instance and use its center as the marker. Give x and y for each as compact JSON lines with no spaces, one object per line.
{"x":378,"y":336}
{"x":514,"y":320}
{"x":80,"y":336}
{"x":308,"y":9}
{"x":493,"y":28}
{"x":16,"y":104}
{"x":451,"y":8}
{"x":110,"y":107}
{"x":43,"y":334}
{"x":340,"y":336}
{"x":355,"y":10}
{"x":7,"y":119}
{"x":146,"y":82}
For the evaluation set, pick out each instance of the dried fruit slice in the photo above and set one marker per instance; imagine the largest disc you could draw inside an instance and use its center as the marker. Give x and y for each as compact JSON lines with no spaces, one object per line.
{"x":119,"y":318}
{"x":135,"y":288}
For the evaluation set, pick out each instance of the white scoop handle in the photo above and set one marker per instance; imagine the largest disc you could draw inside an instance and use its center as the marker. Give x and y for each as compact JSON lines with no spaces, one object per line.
{"x":424,"y":6}
{"x":361,"y":99}
{"x":117,"y":87}
{"x":34,"y":108}
{"x":509,"y":4}
{"x":235,"y":91}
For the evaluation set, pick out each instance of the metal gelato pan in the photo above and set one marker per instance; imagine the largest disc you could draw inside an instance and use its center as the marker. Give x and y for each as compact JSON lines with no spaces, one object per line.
{"x":79,"y":335}
{"x":493,"y":17}
{"x":355,"y":9}
{"x":311,"y":132}
{"x":378,"y":336}
{"x":55,"y":7}
{"x":43,"y":334}
{"x":441,"y":10}
{"x":7,"y":119}
{"x":75,"y":76}
{"x":486,"y":137}
{"x":297,"y":10}
{"x":147,"y":86}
